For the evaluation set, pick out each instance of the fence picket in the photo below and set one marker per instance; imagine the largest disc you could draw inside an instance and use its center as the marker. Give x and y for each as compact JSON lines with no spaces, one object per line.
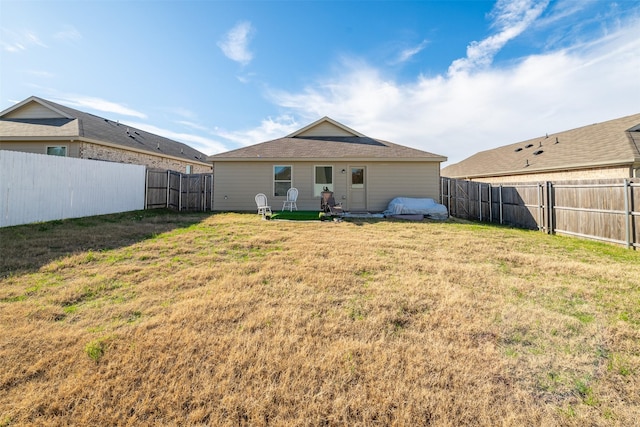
{"x":592,"y":209}
{"x":174,"y":190}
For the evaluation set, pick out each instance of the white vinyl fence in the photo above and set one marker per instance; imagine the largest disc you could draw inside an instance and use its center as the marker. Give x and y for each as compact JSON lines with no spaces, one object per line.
{"x":37,"y":187}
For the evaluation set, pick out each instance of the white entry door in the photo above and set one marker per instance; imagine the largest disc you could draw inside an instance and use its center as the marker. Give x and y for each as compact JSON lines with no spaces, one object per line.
{"x":357,"y":188}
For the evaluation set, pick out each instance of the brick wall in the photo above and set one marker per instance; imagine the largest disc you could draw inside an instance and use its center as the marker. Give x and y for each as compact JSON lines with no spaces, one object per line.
{"x":101,"y":152}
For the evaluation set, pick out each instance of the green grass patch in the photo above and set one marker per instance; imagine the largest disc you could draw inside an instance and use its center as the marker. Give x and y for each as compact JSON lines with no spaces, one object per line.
{"x":296,"y":215}
{"x":95,"y":349}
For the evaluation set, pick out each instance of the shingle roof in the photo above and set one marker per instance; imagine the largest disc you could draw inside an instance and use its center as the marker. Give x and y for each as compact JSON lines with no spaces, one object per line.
{"x":326,"y":147}
{"x":601,"y":144}
{"x":95,"y":128}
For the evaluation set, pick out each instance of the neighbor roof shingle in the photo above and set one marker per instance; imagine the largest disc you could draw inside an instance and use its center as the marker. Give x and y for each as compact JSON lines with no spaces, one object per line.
{"x":601,"y":144}
{"x":97,"y":129}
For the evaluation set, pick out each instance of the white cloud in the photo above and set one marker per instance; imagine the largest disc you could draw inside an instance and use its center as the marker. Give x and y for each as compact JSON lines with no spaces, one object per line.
{"x":511,"y":18}
{"x":100,"y":105}
{"x":41,"y":73}
{"x":236,"y":41}
{"x":459,"y":114}
{"x":410,"y":52}
{"x":13,"y":42}
{"x":69,"y":33}
{"x":192,"y":125}
{"x":269,"y":129}
{"x":206,"y":145}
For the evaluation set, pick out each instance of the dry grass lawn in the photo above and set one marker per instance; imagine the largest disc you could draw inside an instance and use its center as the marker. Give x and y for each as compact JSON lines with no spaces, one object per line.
{"x":155,"y":318}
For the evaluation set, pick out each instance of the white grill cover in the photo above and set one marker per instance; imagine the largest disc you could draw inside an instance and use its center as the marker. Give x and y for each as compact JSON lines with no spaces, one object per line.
{"x":413,"y":206}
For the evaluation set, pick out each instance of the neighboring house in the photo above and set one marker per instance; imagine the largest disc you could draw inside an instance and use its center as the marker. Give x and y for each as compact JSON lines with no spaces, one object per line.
{"x":36,"y":125}
{"x":604,"y":150}
{"x":364,"y":173}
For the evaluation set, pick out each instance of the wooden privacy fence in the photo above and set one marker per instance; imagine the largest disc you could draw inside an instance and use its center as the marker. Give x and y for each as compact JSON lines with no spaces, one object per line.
{"x":607,"y":210}
{"x":182,"y":192}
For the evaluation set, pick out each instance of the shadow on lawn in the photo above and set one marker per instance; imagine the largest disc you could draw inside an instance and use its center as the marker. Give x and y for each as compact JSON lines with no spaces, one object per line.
{"x":26,"y":248}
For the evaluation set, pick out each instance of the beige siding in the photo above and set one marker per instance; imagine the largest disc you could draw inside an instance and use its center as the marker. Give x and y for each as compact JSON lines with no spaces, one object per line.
{"x":39,"y":147}
{"x":402,"y":179}
{"x":326,"y":129}
{"x":33,"y":110}
{"x":11,"y":129}
{"x":237,"y":183}
{"x":600,"y":173}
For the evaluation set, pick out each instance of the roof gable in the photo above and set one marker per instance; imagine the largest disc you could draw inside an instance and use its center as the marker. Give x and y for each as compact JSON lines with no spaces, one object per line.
{"x":34,"y":108}
{"x":325,"y":127}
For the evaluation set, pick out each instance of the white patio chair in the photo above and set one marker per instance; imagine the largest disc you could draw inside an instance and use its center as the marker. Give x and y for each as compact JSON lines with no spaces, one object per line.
{"x":292,"y":196}
{"x":263,"y":207}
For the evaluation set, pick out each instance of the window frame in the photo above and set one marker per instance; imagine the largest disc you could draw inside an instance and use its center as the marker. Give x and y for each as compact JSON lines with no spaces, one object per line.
{"x":317,"y":191}
{"x":66,"y":150}
{"x":277,"y":181}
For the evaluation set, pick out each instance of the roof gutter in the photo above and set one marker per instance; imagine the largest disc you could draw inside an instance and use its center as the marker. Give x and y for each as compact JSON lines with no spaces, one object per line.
{"x":544,"y":170}
{"x":106,"y":144}
{"x":325,"y":159}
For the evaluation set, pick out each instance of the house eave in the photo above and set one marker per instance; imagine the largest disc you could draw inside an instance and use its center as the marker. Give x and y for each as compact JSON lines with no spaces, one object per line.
{"x":103,"y":143}
{"x":530,"y":170}
{"x":328,"y":159}
{"x":71,"y":138}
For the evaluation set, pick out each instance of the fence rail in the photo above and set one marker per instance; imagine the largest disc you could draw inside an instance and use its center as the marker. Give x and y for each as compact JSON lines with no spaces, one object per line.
{"x":606,"y":210}
{"x":182,"y":192}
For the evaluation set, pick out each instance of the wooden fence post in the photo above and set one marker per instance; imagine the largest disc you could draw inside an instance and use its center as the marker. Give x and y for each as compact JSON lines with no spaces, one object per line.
{"x":540,"y":210}
{"x":449,"y":194}
{"x":480,"y":202}
{"x":146,"y":187}
{"x":627,"y":213}
{"x":179,"y":192}
{"x":550,"y":203}
{"x":168,"y":186}
{"x":489,"y":189}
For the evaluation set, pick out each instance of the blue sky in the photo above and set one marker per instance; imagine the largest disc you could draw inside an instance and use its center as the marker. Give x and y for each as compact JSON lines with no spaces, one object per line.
{"x":448,"y":77}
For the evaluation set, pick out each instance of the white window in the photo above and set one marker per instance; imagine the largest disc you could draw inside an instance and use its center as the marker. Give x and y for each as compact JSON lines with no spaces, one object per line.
{"x":57,"y":151}
{"x":188,"y":169}
{"x":281,"y":180}
{"x":323,"y":178}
